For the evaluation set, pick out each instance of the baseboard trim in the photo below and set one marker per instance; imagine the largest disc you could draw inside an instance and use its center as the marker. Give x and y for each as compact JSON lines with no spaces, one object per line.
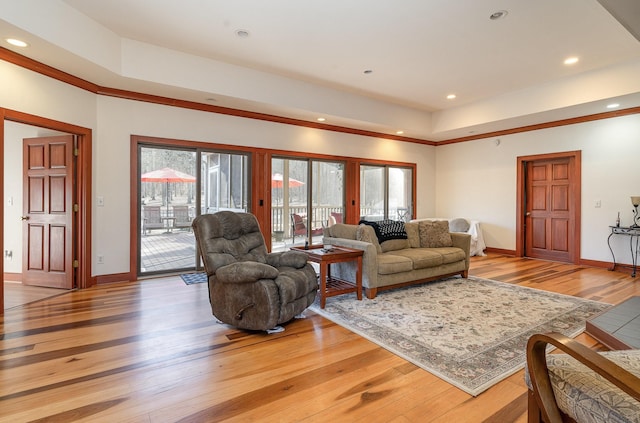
{"x":13,"y":277}
{"x":502,"y":251}
{"x":112,"y":278}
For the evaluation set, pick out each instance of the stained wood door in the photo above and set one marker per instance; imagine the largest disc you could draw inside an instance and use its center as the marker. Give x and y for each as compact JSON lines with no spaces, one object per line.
{"x":550,"y":210}
{"x":47,"y":234}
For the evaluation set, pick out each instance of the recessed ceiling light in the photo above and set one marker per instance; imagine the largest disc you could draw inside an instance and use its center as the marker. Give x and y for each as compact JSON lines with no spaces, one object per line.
{"x":16,"y":42}
{"x":498,"y":15}
{"x":451,"y":96}
{"x":321,"y":119}
{"x":211,"y":99}
{"x":368,"y":72}
{"x":242,"y":33}
{"x":399,"y":132}
{"x":571,"y":60}
{"x":613,"y":105}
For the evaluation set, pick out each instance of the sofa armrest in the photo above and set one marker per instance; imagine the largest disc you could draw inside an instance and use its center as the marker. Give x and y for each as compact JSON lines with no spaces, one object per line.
{"x":369,"y":257}
{"x":463,"y":241}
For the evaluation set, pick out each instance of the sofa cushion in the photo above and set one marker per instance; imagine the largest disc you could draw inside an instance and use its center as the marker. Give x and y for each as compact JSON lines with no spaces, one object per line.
{"x":413,"y":234}
{"x":365,"y":233}
{"x":422,"y":257}
{"x":450,"y":254}
{"x":341,"y":230}
{"x":390,"y":263}
{"x":459,"y":225}
{"x":394,"y":244}
{"x":434,"y":234}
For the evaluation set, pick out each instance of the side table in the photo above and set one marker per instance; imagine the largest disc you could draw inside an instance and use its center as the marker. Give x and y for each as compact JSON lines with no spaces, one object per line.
{"x":632,"y":232}
{"x":331,"y":286}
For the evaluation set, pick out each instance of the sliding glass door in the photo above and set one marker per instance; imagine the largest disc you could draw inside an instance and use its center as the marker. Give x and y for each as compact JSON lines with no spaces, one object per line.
{"x":177,"y":184}
{"x":386,"y":192}
{"x":306,"y":196}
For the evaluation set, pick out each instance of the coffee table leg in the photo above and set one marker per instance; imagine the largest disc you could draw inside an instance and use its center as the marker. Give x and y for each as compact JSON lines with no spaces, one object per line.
{"x":323,"y":284}
{"x":359,"y":278}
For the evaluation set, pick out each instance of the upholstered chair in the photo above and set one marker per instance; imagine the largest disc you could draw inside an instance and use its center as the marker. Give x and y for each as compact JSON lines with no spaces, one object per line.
{"x":250,"y":288}
{"x":581,"y":385}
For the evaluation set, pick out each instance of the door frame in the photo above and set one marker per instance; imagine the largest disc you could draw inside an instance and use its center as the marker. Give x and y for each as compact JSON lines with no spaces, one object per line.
{"x":82,"y":219}
{"x":575,"y":158}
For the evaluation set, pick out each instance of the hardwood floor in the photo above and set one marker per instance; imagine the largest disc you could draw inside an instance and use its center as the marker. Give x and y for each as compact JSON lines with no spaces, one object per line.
{"x":151,"y":352}
{"x":16,"y":294}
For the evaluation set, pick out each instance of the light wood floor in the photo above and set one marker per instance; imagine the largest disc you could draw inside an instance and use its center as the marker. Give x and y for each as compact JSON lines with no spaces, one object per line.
{"x":151,"y":352}
{"x":16,"y":294}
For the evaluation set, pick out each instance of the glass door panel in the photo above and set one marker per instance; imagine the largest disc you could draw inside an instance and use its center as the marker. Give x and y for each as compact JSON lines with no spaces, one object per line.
{"x":167,"y":206}
{"x":373,"y":190}
{"x":400,"y":193}
{"x":327,"y":197}
{"x":289,"y":191}
{"x":386,"y":192}
{"x":224,"y":182}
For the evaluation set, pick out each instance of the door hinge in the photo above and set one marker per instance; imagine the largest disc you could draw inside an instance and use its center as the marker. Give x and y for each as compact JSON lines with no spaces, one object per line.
{"x":76,"y":264}
{"x":76,"y":151}
{"x":76,"y":208}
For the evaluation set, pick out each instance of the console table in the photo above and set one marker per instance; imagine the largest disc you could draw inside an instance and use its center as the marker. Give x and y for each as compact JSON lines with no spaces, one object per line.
{"x":632,"y":233}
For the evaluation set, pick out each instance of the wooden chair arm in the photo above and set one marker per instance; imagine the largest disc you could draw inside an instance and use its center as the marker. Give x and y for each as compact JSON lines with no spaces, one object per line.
{"x":539,"y":373}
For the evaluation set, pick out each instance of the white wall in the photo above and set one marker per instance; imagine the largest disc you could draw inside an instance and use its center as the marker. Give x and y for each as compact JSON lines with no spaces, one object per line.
{"x":477,"y":179}
{"x":118,"y":119}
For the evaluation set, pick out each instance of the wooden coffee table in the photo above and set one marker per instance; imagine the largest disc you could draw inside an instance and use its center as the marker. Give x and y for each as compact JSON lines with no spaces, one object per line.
{"x":619,"y":327}
{"x":331,"y":286}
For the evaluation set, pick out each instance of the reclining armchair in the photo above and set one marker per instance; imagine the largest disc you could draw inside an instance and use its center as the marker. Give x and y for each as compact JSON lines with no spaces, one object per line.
{"x":250,"y":288}
{"x":581,"y":385}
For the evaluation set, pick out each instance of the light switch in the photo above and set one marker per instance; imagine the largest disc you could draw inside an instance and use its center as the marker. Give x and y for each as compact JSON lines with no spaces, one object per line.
{"x":100,"y":201}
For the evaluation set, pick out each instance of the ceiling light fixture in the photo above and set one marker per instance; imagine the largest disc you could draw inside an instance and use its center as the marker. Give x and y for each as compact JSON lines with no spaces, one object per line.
{"x":571,"y":61}
{"x":368,"y":72}
{"x":613,"y":105}
{"x":498,"y":15}
{"x":399,"y":132}
{"x":16,"y":42}
{"x":242,"y":33}
{"x":321,"y":119}
{"x":451,"y":96}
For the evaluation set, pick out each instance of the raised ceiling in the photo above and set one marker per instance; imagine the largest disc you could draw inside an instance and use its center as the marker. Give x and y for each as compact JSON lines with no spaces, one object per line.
{"x":307,"y":59}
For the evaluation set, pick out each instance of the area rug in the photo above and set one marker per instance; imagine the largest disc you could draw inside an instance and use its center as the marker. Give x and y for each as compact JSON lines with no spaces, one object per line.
{"x":191,"y":278}
{"x":470,"y":332}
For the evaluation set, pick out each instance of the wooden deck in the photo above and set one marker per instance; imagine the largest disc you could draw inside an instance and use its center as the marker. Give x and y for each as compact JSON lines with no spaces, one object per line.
{"x":150,"y":351}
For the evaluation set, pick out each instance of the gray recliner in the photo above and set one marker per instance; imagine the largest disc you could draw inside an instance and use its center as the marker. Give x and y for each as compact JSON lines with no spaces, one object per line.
{"x":250,"y":288}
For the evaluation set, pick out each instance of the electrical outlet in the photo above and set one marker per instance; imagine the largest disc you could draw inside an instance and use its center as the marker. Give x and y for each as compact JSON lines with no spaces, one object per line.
{"x":100,"y":259}
{"x":598,"y":204}
{"x":8,"y":254}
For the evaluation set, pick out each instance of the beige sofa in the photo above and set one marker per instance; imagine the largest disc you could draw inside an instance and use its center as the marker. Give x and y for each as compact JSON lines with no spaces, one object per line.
{"x":399,"y":262}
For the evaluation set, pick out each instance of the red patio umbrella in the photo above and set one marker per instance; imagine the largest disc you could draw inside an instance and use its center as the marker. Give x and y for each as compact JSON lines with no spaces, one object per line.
{"x":166,"y":175}
{"x":277,"y":181}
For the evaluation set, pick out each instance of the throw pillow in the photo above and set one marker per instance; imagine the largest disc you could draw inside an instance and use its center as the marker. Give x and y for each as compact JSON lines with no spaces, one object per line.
{"x":413,"y":234}
{"x":458,"y":225}
{"x":434,"y":234}
{"x":365,"y":233}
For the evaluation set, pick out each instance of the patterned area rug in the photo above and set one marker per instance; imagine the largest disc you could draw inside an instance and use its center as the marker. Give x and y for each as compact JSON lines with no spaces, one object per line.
{"x":191,"y":278}
{"x":470,"y":332}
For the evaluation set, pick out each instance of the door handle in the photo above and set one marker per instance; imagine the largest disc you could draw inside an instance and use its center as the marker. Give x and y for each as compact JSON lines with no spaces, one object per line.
{"x":527,"y":214}
{"x":24,"y":218}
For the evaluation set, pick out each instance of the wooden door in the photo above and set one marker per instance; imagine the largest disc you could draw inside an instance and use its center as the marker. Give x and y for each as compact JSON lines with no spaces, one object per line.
{"x":550,"y":210}
{"x":48,"y":178}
